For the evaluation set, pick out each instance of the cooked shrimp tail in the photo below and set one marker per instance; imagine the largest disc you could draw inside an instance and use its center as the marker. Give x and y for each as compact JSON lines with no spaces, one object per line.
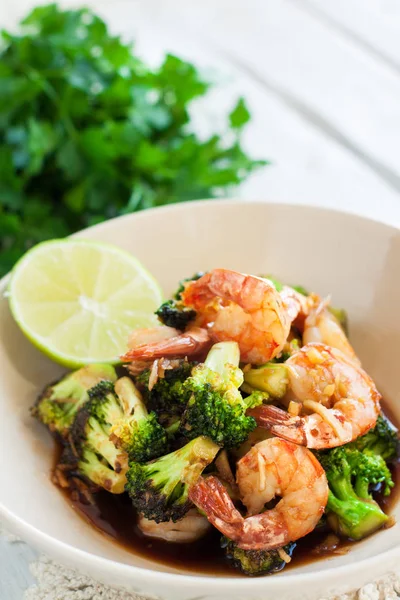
{"x":293,"y":429}
{"x":192,"y":342}
{"x":340,"y":400}
{"x":212,"y":498}
{"x":272,"y":467}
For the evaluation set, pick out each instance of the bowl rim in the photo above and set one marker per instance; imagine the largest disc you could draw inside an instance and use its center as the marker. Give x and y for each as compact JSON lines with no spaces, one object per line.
{"x":84,"y":558}
{"x":107,"y":565}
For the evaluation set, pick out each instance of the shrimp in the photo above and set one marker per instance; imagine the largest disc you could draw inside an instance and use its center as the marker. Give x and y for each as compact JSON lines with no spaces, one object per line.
{"x":297,"y":305}
{"x":152,"y":335}
{"x":168,"y":343}
{"x":245,"y":309}
{"x":341,"y":398}
{"x":271,"y":468}
{"x":191,"y":528}
{"x":322,"y":326}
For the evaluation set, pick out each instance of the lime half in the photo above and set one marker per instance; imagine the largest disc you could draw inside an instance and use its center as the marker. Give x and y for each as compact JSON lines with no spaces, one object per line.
{"x":78,"y":300}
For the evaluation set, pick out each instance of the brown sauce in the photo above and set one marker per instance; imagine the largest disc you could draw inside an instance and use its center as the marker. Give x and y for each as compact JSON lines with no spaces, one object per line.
{"x":115,"y":517}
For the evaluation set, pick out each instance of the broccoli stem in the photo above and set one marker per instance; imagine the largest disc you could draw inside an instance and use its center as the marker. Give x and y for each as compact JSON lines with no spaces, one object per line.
{"x":271,"y":378}
{"x":138,"y":432}
{"x":96,"y":471}
{"x":354,"y":518}
{"x":99,"y":440}
{"x":160,"y":489}
{"x":173,"y":428}
{"x":221,"y":355}
{"x":341,"y":485}
{"x":131,"y":399}
{"x":187,"y":465}
{"x":361,"y":487}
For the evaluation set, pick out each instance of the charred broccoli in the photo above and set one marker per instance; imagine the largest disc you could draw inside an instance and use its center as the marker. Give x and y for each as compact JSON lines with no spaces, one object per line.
{"x":173,"y":313}
{"x":137,"y":432}
{"x":92,"y":466}
{"x":256,"y":562}
{"x":216,"y":407}
{"x":58,"y":404}
{"x":159,"y":490}
{"x":97,"y":457}
{"x":167,"y":397}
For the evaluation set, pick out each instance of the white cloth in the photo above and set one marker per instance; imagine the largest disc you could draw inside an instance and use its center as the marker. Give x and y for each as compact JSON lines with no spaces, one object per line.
{"x":70,"y":585}
{"x":73,"y":586}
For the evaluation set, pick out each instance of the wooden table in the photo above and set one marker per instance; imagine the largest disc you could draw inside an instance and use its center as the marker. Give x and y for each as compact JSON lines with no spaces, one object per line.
{"x":322,"y":79}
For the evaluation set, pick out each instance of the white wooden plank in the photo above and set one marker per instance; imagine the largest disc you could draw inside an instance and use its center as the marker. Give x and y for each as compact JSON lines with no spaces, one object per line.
{"x":332,"y":80}
{"x":307,"y":166}
{"x":375,"y":24}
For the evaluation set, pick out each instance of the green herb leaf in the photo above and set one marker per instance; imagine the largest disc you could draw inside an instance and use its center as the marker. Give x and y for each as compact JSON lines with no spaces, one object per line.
{"x":239,"y":115}
{"x":88,"y":131}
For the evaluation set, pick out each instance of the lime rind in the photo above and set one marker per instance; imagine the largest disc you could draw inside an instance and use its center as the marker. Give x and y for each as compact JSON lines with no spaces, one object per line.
{"x":99,"y":315}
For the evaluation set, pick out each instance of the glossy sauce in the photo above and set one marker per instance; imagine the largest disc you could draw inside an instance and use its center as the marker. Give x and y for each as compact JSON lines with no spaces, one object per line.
{"x":115,"y":517}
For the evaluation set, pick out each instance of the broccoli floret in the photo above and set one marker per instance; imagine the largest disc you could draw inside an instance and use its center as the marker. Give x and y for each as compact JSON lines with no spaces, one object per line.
{"x":352,"y":470}
{"x":271,"y":378}
{"x":138,"y":432}
{"x":97,"y":456}
{"x":216,"y":407}
{"x":167,"y":398}
{"x":160,"y":488}
{"x":255,"y":562}
{"x":382,"y":440}
{"x":99,"y":472}
{"x":58,"y":404}
{"x":352,"y":511}
{"x":67,"y":475}
{"x":369,"y":470}
{"x":173,"y":314}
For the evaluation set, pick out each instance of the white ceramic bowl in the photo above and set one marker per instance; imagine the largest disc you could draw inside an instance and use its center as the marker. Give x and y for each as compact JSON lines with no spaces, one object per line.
{"x":354,"y":259}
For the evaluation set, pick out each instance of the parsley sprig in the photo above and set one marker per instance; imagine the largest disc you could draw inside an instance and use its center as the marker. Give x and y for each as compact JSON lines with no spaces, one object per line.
{"x":88,"y":131}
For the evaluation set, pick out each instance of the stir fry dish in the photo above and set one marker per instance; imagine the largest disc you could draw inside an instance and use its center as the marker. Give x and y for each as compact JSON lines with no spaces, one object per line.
{"x":246,"y":410}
